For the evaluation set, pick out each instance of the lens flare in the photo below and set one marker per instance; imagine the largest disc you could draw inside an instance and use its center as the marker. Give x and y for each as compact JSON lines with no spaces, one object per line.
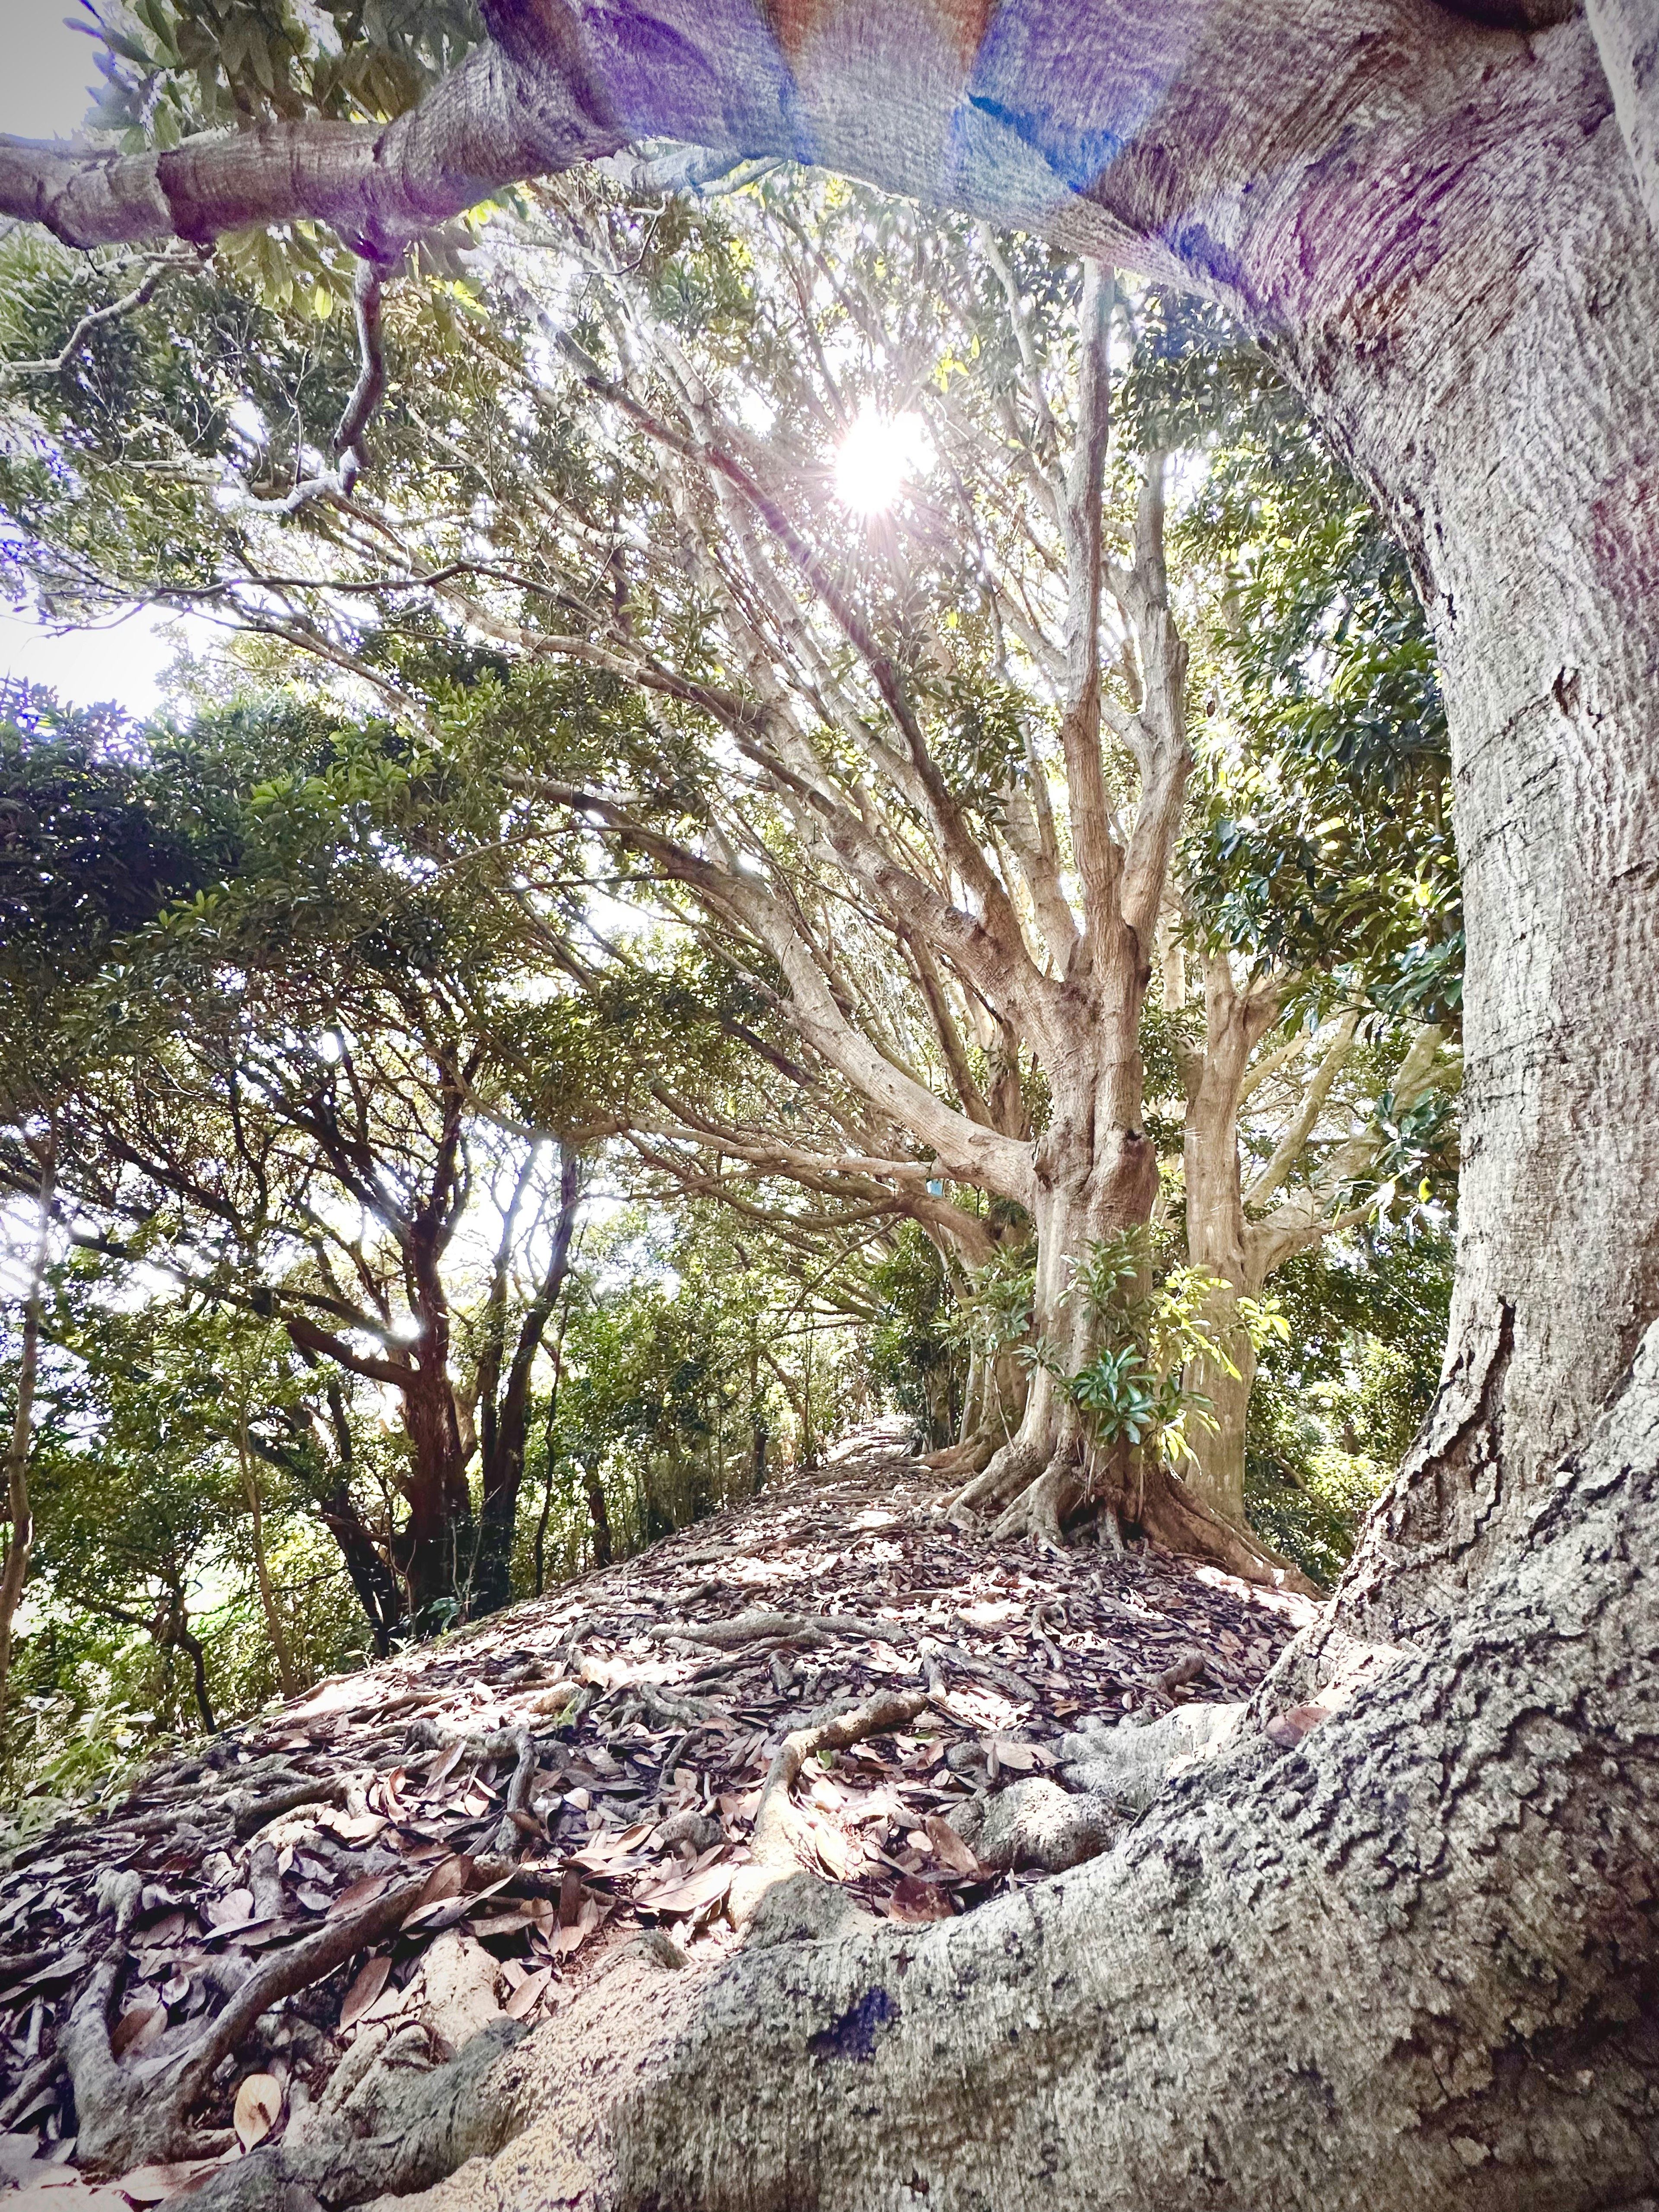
{"x":877,"y":458}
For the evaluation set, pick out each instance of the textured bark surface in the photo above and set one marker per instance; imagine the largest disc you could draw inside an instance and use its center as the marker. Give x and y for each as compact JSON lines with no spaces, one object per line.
{"x":1537,"y":547}
{"x":1408,"y":1963}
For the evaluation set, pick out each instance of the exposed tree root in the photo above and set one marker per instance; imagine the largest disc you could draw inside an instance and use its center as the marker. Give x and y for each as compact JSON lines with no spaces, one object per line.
{"x":771,"y":1842}
{"x":1034,"y":1489}
{"x":967,"y":1458}
{"x":1171,"y":1515}
{"x":400,"y":2131}
{"x":133,"y":2110}
{"x":1042,"y":1507}
{"x":1009,"y":1471}
{"x":806,"y":1628}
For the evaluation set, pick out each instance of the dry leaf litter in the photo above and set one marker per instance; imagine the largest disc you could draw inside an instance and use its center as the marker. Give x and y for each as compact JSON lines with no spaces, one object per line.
{"x":466,"y":1830}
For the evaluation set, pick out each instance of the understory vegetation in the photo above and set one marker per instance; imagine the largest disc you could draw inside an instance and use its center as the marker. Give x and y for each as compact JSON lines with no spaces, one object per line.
{"x":505,"y":1066}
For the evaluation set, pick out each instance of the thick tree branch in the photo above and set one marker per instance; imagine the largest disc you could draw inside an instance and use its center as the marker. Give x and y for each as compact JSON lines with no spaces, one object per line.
{"x":486,"y":124}
{"x":1099,"y":857}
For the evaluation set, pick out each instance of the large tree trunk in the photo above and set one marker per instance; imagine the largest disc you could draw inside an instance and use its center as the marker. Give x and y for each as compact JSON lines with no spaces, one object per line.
{"x":1047,"y":1470}
{"x":1215,"y":1470}
{"x":1533,"y":525}
{"x":1218,"y":1235}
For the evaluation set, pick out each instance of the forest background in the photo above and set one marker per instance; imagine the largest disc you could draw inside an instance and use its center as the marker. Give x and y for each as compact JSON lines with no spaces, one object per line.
{"x":480,"y":1087}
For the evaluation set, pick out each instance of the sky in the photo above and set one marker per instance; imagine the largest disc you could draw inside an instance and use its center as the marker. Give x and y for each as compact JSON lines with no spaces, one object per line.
{"x":44,"y":92}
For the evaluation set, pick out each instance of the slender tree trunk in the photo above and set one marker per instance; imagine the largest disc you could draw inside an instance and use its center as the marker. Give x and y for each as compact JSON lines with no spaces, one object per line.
{"x":21,"y":1536}
{"x":365,"y":1563}
{"x":178,"y":1635}
{"x":506,"y":1433}
{"x":437,"y":1545}
{"x":599,"y":1514}
{"x":288,"y":1673}
{"x":1217,"y":1236}
{"x":552,"y":1458}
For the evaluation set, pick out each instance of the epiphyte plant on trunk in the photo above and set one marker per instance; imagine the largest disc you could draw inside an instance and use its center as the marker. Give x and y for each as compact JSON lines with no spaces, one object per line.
{"x":1157,"y":1341}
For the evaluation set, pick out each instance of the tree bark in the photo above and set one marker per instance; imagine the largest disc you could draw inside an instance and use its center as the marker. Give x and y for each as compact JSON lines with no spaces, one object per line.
{"x":1538,"y":555}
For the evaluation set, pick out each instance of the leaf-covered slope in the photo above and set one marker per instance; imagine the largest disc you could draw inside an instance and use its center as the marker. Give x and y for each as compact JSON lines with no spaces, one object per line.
{"x":355,"y":1888}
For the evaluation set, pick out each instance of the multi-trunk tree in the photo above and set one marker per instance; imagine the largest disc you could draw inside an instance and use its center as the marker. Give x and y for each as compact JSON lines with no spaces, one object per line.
{"x":1406,"y":1962}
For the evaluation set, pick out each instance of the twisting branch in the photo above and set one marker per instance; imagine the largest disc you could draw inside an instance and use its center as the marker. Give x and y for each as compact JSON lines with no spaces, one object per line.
{"x":351,"y":435}
{"x":1099,"y":856}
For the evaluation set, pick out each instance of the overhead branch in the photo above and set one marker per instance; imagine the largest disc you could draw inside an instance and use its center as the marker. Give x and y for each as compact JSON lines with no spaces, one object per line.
{"x":351,"y":435}
{"x":306,"y":1336}
{"x":99,"y":318}
{"x":485,"y":124}
{"x":1293,"y":1143}
{"x":999,"y":918}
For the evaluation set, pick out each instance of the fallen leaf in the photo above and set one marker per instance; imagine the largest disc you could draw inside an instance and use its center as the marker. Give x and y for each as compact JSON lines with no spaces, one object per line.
{"x":529,"y":1994}
{"x":704,"y":1887}
{"x":360,"y":1892}
{"x":835,"y":1852}
{"x":352,"y":1828}
{"x":229,"y":1910}
{"x":949,"y":1848}
{"x":153,"y":2184}
{"x":448,"y":1879}
{"x":446,"y":1766}
{"x":914,"y":1901}
{"x":995,"y":1612}
{"x":138,"y":2030}
{"x":257,"y":2108}
{"x":370,"y":1980}
{"x":61,"y":1970}
{"x":1017,"y":1758}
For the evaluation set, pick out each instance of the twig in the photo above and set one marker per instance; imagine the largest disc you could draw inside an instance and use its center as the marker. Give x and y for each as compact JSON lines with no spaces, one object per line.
{"x":515,"y":1822}
{"x":35,"y":2078}
{"x":140,"y":296}
{"x":769,"y":1842}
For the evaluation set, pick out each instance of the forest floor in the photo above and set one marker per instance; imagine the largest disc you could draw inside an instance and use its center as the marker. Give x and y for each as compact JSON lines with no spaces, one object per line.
{"x":486,"y":1825}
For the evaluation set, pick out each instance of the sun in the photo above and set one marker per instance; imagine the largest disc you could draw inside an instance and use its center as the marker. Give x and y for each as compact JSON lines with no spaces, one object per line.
{"x":877,"y":459}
